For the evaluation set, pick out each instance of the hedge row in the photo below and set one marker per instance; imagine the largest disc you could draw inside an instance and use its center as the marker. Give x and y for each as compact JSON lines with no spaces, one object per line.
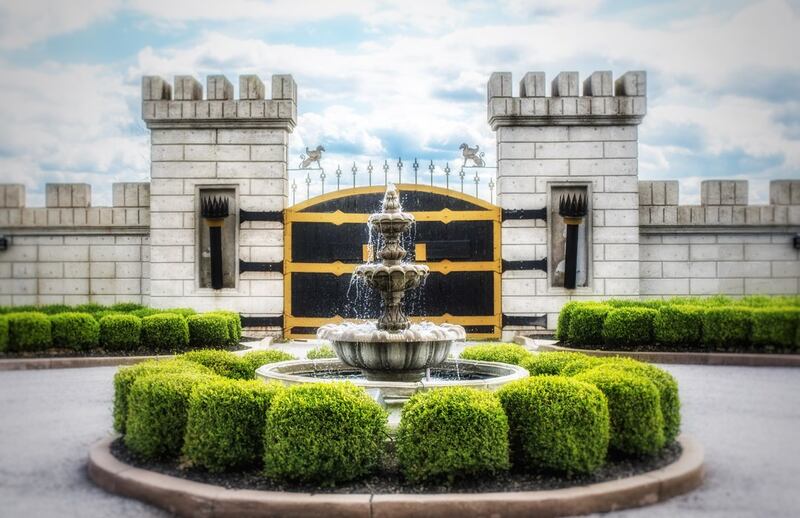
{"x":714,"y":327}
{"x":176,"y":330}
{"x":202,"y":406}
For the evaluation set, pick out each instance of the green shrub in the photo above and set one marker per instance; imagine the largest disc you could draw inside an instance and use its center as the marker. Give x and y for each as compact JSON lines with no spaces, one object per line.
{"x":119,"y":332}
{"x":158,"y":407}
{"x":503,"y":353}
{"x":125,"y":377}
{"x":184,"y":312}
{"x":586,"y":324}
{"x":450,"y":432}
{"x":256,"y":359}
{"x":146,"y":312}
{"x":775,"y":328}
{"x":726,"y":328}
{"x":234,"y":326}
{"x":225,"y":423}
{"x":28,"y":331}
{"x":323,"y":433}
{"x":165,"y":331}
{"x":54,"y":309}
{"x":79,"y":331}
{"x":3,"y":333}
{"x":562,"y":328}
{"x":627,"y":326}
{"x":208,"y":330}
{"x":321,"y":352}
{"x":126,"y":307}
{"x":90,"y":307}
{"x":549,"y":364}
{"x":667,"y":391}
{"x":556,"y":423}
{"x":637,"y":424}
{"x":679,"y":325}
{"x":224,"y":363}
{"x":578,"y":365}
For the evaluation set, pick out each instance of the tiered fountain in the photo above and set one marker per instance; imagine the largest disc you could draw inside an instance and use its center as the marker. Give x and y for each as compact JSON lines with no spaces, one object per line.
{"x":392,"y":355}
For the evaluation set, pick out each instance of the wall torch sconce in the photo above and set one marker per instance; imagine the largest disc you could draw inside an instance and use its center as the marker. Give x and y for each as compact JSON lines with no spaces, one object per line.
{"x":214,"y":211}
{"x":573,"y":210}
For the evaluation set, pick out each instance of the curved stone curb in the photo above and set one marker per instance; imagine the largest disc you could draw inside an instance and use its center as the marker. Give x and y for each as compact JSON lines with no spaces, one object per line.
{"x":729,"y":359}
{"x":77,"y":362}
{"x":187,"y":498}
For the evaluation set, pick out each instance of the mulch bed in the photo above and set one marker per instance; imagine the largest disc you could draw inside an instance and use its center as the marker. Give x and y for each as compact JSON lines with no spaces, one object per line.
{"x":96,"y":353}
{"x":388,"y":479}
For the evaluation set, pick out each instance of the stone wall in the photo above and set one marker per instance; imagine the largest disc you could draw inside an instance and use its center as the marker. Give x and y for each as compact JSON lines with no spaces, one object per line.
{"x":72,"y":253}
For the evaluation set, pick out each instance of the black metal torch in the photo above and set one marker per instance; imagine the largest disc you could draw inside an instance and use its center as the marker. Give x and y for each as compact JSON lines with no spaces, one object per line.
{"x":214,"y":211}
{"x":573,"y":210}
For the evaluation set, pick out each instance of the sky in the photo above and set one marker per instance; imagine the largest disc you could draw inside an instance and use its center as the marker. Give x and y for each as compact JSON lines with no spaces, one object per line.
{"x":383,"y":79}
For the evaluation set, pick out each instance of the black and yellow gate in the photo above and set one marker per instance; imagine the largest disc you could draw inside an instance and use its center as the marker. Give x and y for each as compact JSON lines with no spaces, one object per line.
{"x":456,"y":235}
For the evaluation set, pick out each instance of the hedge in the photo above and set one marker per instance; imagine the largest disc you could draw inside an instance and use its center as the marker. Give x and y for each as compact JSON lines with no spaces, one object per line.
{"x":208,"y":330}
{"x":223,"y":363}
{"x":556,"y":423}
{"x":321,"y":352}
{"x":234,"y":326}
{"x":504,"y":353}
{"x":3,"y":333}
{"x":256,"y":359}
{"x":120,"y":332}
{"x":637,"y":424}
{"x":125,"y":376}
{"x":776,"y":328}
{"x":578,"y":365}
{"x":628,"y":326}
{"x":678,"y":325}
{"x":225,"y":423}
{"x":564,"y":316}
{"x":158,"y":407}
{"x":726,"y":328}
{"x":166,"y":331}
{"x":77,"y":331}
{"x":323,"y":433}
{"x":452,"y":432}
{"x":28,"y":332}
{"x":549,"y":363}
{"x":586,"y":324}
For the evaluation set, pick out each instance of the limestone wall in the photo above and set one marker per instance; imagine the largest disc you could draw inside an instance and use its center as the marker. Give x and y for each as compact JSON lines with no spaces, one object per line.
{"x":72,"y":253}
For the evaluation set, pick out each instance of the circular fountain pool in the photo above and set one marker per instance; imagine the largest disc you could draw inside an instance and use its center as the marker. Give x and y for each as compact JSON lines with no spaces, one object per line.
{"x":394,"y":394}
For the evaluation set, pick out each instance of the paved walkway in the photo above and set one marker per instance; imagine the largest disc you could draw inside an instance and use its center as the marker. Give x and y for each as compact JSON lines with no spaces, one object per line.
{"x":748,"y":419}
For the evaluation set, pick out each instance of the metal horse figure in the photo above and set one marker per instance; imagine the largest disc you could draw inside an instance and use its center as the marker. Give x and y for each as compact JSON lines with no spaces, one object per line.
{"x":312,"y":155}
{"x":470,"y":153}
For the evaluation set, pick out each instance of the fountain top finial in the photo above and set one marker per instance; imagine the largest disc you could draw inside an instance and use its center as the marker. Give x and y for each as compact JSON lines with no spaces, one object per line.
{"x":391,"y":201}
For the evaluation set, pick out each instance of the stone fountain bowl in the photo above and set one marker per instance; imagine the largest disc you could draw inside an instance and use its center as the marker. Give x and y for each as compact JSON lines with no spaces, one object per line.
{"x":400,"y":277}
{"x":391,"y":222}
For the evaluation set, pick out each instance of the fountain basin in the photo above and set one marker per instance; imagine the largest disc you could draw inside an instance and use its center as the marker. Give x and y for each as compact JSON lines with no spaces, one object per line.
{"x":394,"y":394}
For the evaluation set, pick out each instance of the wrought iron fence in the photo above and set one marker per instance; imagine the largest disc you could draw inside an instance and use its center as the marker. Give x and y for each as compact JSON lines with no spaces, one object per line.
{"x":305,"y":183}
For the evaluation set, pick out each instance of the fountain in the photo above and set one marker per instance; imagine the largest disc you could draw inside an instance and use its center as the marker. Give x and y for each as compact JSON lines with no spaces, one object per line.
{"x":392,"y":357}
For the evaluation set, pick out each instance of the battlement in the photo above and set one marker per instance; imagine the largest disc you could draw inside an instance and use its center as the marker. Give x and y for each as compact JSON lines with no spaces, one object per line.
{"x":722,"y":202}
{"x":604,"y":101}
{"x":166,"y":105}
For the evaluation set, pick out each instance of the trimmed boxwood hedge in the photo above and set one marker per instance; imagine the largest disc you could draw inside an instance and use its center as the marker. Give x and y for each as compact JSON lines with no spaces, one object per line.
{"x":775,"y":329}
{"x":549,"y":363}
{"x":28,"y":332}
{"x":158,"y":407}
{"x":323,"y":433}
{"x":726,"y":328}
{"x":578,"y":365}
{"x":234,"y":326}
{"x":224,"y":363}
{"x":208,"y":330}
{"x":504,"y":353}
{"x":678,"y":325}
{"x":256,"y":359}
{"x":120,"y":332}
{"x":165,"y":331}
{"x":452,"y":432}
{"x":556,"y":423}
{"x":125,"y":376}
{"x":78,"y":331}
{"x":586,"y":324}
{"x":3,"y":333}
{"x":225,"y":423}
{"x":637,"y":424}
{"x":629,"y":326}
{"x":321,"y":352}
{"x":564,"y":316}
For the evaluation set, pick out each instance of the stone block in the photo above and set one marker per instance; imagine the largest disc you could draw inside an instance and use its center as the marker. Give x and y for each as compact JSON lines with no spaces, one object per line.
{"x":620,"y":149}
{"x":565,"y":84}
{"x":284,"y":88}
{"x":664,"y":286}
{"x":784,"y":192}
{"x":499,"y":85}
{"x":632,"y":83}
{"x":251,"y":136}
{"x":251,"y":87}
{"x":716,"y":287}
{"x":12,"y":195}
{"x":183,"y":136}
{"x":770,"y":287}
{"x":599,"y":84}
{"x":155,"y":88}
{"x":532,"y":85}
{"x":562,"y":150}
{"x":218,"y":88}
{"x":187,"y":88}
